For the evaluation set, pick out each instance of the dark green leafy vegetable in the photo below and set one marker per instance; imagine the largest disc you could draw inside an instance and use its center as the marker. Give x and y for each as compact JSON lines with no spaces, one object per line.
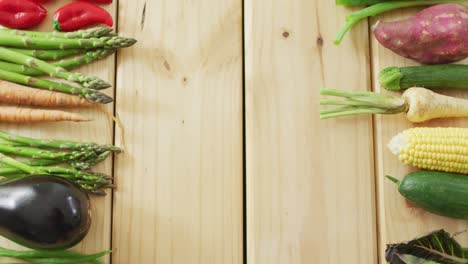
{"x":436,"y":247}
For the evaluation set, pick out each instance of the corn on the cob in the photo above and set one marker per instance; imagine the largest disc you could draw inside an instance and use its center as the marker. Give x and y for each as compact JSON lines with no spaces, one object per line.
{"x":439,"y":149}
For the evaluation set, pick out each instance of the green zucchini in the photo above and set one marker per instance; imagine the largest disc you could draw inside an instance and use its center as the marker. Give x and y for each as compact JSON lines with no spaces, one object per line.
{"x":452,"y":76}
{"x":440,"y":193}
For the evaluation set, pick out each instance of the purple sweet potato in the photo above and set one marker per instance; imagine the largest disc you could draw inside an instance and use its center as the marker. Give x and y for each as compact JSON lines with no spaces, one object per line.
{"x":436,"y":35}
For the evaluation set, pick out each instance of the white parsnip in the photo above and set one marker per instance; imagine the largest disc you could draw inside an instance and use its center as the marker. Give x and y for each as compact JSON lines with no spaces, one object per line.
{"x":424,"y":105}
{"x":419,"y":104}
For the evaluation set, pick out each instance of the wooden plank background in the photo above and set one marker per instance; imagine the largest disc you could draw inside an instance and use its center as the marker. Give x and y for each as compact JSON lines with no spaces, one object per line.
{"x":310,"y":187}
{"x":226,"y":159}
{"x":179,"y":94}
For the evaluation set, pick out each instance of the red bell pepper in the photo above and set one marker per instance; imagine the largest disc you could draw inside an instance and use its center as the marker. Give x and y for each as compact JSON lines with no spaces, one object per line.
{"x":21,"y":14}
{"x":80,"y":14}
{"x":100,"y":1}
{"x":42,"y":1}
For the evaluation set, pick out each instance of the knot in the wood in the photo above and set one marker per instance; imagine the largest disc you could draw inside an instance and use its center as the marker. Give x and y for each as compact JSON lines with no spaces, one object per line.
{"x":320,"y":40}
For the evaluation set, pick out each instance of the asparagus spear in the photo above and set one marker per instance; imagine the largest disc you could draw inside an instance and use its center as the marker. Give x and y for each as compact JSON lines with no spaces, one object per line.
{"x":108,"y":42}
{"x":49,"y":54}
{"x":37,"y":153}
{"x":81,"y":159}
{"x":92,"y":82}
{"x":58,"y":144}
{"x":89,"y":181}
{"x":67,"y":64}
{"x":95,"y":32}
{"x":42,"y":162}
{"x":19,"y":165}
{"x":86,"y":93}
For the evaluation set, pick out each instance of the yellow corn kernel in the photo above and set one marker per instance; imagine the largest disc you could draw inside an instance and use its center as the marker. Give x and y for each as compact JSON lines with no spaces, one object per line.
{"x":441,"y":149}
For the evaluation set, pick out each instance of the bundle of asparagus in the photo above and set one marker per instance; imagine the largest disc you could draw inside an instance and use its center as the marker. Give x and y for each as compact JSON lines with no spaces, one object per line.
{"x":26,"y":56}
{"x":68,"y":159}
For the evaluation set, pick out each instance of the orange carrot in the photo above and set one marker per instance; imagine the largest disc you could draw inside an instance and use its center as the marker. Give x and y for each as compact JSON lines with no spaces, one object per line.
{"x":12,"y":93}
{"x":14,"y":114}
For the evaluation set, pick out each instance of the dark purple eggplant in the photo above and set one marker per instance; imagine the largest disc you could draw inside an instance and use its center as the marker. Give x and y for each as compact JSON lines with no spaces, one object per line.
{"x":44,"y":212}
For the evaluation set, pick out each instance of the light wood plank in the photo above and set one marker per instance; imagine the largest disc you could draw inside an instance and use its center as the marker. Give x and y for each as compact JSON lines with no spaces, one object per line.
{"x":310,"y":187}
{"x":397,"y":221}
{"x":100,"y":130}
{"x":179,"y":195}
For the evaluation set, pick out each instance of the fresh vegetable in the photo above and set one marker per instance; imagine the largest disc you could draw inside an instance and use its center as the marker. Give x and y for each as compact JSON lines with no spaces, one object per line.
{"x":77,"y":158}
{"x":419,"y":104}
{"x":52,"y":256}
{"x":21,"y":13}
{"x":436,"y":35}
{"x":62,"y":158}
{"x":439,"y":149}
{"x":80,"y":14}
{"x":89,"y":181}
{"x":41,"y":1}
{"x":44,"y":212}
{"x":95,"y":32}
{"x":435,"y":247}
{"x":58,"y":144}
{"x":453,"y":76}
{"x":107,"y":42}
{"x":49,"y":54}
{"x":67,"y":64}
{"x":89,"y":94}
{"x":14,"y":114}
{"x":11,"y":93}
{"x":359,"y":2}
{"x":440,"y":193}
{"x":354,"y":18}
{"x":87,"y":81}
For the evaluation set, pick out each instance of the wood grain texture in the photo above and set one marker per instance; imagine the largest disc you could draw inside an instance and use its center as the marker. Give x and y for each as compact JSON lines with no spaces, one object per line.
{"x":310,"y":186}
{"x":99,"y":130}
{"x":397,"y":221}
{"x":179,"y":96}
